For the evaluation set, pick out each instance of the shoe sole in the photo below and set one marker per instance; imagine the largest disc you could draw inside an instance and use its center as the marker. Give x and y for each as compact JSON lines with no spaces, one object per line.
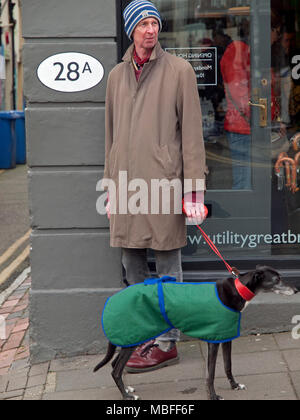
{"x":170,"y":362}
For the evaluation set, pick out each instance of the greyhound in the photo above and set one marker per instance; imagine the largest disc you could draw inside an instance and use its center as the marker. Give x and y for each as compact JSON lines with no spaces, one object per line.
{"x":235,"y":294}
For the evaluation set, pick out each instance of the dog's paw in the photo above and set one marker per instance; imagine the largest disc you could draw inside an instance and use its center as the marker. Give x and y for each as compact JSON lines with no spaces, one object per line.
{"x":240,"y":387}
{"x":130,"y":396}
{"x":215,"y":397}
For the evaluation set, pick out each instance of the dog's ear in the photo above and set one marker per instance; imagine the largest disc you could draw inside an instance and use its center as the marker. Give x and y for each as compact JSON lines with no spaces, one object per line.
{"x":259,"y":275}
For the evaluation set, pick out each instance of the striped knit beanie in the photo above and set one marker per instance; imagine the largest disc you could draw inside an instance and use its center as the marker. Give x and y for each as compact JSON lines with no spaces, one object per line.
{"x":136,"y":11}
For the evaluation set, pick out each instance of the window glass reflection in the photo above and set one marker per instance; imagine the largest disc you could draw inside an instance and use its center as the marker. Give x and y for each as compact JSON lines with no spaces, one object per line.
{"x":215,"y":37}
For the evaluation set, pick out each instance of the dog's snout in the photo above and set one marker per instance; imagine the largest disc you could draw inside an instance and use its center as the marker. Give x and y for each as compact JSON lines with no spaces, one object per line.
{"x":285,"y":289}
{"x":293,"y":288}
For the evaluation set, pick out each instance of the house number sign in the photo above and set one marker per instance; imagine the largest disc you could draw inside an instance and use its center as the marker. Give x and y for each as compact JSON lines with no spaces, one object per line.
{"x":70,"y":72}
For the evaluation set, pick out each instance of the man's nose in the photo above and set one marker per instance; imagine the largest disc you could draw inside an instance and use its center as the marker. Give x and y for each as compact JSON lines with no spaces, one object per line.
{"x":150,"y":29}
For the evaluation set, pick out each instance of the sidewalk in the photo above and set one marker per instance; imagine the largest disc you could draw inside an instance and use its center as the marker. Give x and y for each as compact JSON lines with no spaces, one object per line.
{"x":269,"y":365}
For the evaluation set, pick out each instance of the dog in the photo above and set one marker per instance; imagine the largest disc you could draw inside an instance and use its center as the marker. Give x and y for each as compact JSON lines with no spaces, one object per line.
{"x":234,"y":294}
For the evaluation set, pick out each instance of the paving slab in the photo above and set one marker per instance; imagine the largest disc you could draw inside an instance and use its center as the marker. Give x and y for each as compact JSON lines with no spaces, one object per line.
{"x":295,"y":378}
{"x":264,"y":387}
{"x":286,"y":341}
{"x":81,"y":395}
{"x":292,"y":358}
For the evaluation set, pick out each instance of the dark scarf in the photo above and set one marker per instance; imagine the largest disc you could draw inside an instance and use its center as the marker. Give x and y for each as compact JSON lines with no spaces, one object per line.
{"x":138,"y":64}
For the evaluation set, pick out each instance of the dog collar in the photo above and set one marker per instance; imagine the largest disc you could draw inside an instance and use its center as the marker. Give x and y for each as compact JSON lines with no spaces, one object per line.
{"x":243,"y":291}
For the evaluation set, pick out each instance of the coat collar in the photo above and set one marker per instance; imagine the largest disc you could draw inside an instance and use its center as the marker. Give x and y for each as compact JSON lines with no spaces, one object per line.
{"x":156,"y":53}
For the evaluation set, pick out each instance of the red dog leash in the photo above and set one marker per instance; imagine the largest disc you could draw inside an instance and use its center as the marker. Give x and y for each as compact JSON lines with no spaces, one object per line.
{"x":244,"y":292}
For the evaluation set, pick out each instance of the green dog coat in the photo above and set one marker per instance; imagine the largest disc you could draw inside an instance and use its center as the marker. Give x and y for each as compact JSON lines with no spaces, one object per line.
{"x":147,"y":310}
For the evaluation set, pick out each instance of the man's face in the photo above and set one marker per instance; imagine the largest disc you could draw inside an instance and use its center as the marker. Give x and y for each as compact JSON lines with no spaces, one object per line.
{"x":145,"y":34}
{"x":287,"y":42}
{"x":275,"y":34}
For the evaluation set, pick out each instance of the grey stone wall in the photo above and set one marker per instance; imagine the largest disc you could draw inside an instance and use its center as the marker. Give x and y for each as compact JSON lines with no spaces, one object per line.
{"x":73,"y":268}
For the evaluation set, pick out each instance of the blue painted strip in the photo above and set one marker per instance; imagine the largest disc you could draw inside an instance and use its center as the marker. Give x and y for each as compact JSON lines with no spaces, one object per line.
{"x":161,"y":301}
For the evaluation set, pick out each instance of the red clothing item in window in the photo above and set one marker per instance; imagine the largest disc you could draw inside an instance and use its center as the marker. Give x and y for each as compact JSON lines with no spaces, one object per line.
{"x":235,"y":68}
{"x":275,"y":93}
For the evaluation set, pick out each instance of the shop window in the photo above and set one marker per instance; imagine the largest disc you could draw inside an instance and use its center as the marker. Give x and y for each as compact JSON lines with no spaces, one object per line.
{"x":244,"y":51}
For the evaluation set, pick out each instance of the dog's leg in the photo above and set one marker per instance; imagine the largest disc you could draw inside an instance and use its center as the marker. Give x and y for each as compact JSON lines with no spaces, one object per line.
{"x":118,"y":368}
{"x":114,"y":362}
{"x":213,"y":349}
{"x":128,"y":389}
{"x":227,"y":347}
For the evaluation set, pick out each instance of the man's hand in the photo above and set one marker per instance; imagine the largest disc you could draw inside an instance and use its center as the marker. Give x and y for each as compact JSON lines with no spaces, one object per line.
{"x":194,"y":207}
{"x":195,"y":212}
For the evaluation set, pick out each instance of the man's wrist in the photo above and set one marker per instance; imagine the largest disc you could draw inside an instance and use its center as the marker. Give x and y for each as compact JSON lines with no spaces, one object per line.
{"x":194,"y":197}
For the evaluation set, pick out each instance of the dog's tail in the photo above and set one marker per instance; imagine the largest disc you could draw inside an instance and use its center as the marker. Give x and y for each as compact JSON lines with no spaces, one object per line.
{"x":109,"y":355}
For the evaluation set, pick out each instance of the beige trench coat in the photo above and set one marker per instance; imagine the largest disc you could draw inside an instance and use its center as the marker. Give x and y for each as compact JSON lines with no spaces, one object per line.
{"x":153,"y":131}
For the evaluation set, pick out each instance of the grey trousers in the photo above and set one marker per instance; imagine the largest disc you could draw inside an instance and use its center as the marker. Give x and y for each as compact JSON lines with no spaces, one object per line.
{"x":168,"y":263}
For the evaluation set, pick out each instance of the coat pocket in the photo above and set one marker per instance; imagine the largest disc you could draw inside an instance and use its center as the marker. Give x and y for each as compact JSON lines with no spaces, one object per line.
{"x":168,"y":165}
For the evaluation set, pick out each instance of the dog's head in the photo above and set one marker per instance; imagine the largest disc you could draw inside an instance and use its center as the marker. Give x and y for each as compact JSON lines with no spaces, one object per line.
{"x":267,"y":279}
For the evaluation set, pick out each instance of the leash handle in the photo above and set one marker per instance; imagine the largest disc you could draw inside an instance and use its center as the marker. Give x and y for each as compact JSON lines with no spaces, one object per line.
{"x":211,"y":244}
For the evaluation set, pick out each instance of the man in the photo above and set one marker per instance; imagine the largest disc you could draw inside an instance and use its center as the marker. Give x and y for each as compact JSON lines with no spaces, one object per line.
{"x":153,"y":133}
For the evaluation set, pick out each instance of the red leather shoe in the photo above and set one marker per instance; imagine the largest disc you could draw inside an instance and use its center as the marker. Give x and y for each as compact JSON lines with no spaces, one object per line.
{"x":151,"y":358}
